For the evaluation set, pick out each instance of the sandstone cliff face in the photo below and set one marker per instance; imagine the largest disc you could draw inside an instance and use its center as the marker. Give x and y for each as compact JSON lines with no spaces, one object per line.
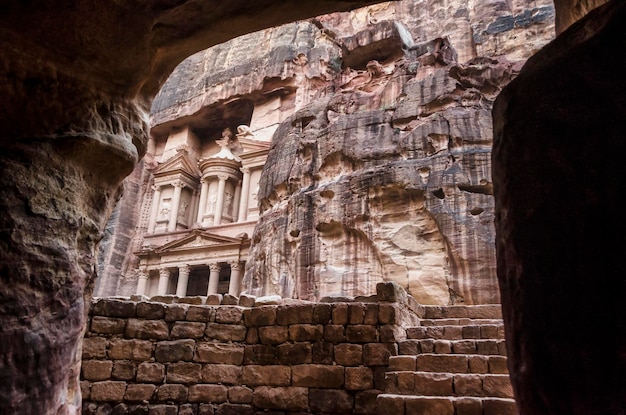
{"x":380,"y":167}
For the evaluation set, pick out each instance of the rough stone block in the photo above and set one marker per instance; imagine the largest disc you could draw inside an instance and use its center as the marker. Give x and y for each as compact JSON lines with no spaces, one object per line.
{"x":138,"y":392}
{"x":268,"y":300}
{"x":391,"y":333}
{"x":234,"y":409}
{"x":471,"y":332}
{"x":389,"y":314}
{"x":147,"y":329}
{"x":359,"y":378}
{"x":165,"y":299}
{"x":454,"y":333}
{"x":487,"y":347}
{"x":85,"y":389}
{"x":323,"y":353}
{"x":318,"y":376}
{"x":498,"y":365}
{"x":468,"y":384}
{"x":260,"y":354}
{"x":176,"y":312}
{"x":306,"y":332}
{"x":175,"y":350}
{"x":252,"y":335}
{"x":348,"y":354}
{"x":489,"y":331}
{"x":260,"y":316}
{"x":255,"y":375}
{"x":123,"y":370}
{"x":492,"y":406}
{"x":365,"y":402}
{"x":163,"y":409}
{"x":377,"y":354}
{"x":409,"y":347}
{"x":331,"y":401}
{"x":335,"y":333}
{"x":463,"y":347}
{"x":229,"y":315}
{"x":322,"y":313}
{"x":214,"y":299}
{"x":188,"y":329}
{"x":122,"y":349}
{"x":442,"y":363}
{"x":436,"y":384}
{"x":356,"y":313}
{"x":151,"y":311}
{"x":246,"y":300}
{"x":371,"y":314}
{"x":294,"y":314}
{"x":202,"y":314}
{"x":114,"y":308}
{"x":428,"y":406}
{"x":469,"y":406}
{"x":391,"y":292}
{"x":150,"y":372}
{"x":108,"y":391}
{"x":390,"y":405}
{"x":208,"y":393}
{"x":223,"y":353}
{"x":193,"y":300}
{"x":405,"y":382}
{"x":443,"y":346}
{"x":239,"y":394}
{"x":107,"y":325}
{"x":361,"y":333}
{"x":284,"y":398}
{"x":295,"y":354}
{"x":95,"y":370}
{"x":94,"y":348}
{"x":398,"y":363}
{"x":273,"y":335}
{"x":226,"y":332}
{"x":478,"y":364}
{"x":340,"y":313}
{"x":184,"y":372}
{"x":172,"y":392}
{"x":206,"y":409}
{"x":498,"y":386}
{"x":219,"y":373}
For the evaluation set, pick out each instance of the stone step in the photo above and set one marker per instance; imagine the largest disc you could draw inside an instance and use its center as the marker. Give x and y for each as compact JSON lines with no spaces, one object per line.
{"x":493,"y":311}
{"x":457,"y":332}
{"x":449,"y":363}
{"x":470,"y":346}
{"x":460,"y":321}
{"x":448,"y":384}
{"x":393,"y":404}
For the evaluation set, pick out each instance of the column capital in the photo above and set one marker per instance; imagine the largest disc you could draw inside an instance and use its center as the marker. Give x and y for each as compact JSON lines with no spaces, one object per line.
{"x":179,"y":183}
{"x":235,"y":265}
{"x":222,"y":177}
{"x":156,"y":187}
{"x":184,"y":269}
{"x":142,"y":273}
{"x":214,"y":266}
{"x":164,"y":272}
{"x":245,"y":170}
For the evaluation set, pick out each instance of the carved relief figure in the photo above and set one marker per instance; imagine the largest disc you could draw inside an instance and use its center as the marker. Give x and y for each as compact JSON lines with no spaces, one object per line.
{"x":183,"y":209}
{"x":243,"y":131}
{"x":228,"y":201}
{"x":166,"y":207}
{"x":227,"y":136}
{"x":212,"y":202}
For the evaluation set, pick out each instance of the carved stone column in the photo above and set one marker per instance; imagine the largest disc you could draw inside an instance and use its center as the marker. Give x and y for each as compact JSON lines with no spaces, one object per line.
{"x":214,"y":278}
{"x":219,"y":205}
{"x":164,"y":280}
{"x":245,"y":192}
{"x":235,"y":279}
{"x":142,"y":281}
{"x":156,"y":201}
{"x":178,"y":188}
{"x":204,"y":193}
{"x":236,"y":200}
{"x":183,"y":280}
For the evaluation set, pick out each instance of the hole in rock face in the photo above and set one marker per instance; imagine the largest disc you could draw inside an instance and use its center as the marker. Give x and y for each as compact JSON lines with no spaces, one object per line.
{"x":295,"y":233}
{"x":477,"y":211}
{"x":439,"y":193}
{"x":327,"y":194}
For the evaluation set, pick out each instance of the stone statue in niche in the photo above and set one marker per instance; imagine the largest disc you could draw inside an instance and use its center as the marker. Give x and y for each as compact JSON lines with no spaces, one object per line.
{"x":183,"y":210}
{"x":212,"y":202}
{"x":166,"y":207}
{"x":227,"y":137}
{"x":228,"y":201}
{"x":243,"y":131}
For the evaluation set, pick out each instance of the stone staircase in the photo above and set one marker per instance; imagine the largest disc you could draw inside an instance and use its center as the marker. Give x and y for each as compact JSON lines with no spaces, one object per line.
{"x":454,"y":363}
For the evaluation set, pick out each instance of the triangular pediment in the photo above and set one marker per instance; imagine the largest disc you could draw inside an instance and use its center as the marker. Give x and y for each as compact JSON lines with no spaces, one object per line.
{"x":250,"y":146}
{"x":198,"y":240}
{"x":180,"y":163}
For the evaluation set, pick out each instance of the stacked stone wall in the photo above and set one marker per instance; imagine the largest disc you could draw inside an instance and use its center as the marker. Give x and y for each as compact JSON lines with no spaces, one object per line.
{"x":298,"y":357}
